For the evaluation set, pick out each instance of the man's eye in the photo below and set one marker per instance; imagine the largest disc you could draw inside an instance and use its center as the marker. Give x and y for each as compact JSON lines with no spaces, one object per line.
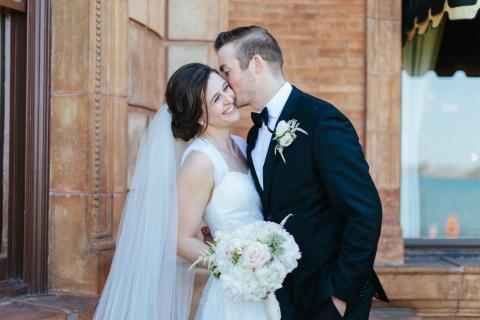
{"x":215,"y":99}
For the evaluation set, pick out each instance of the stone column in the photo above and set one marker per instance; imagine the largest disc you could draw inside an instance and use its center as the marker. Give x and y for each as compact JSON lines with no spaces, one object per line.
{"x":383,"y":118}
{"x":88,"y":166}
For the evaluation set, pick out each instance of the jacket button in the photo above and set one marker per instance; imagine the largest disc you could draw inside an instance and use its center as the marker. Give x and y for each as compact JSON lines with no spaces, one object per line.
{"x":269,"y":217}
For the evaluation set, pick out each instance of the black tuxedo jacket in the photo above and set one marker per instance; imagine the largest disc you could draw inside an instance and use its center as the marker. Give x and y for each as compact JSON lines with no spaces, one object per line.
{"x":337,"y":214}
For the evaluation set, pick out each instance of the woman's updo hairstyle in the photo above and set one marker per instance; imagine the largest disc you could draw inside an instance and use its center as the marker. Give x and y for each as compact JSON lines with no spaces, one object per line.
{"x":186,"y":90}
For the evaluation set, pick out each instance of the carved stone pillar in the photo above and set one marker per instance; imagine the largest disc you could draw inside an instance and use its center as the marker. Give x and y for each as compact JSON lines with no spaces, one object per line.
{"x":383,"y":118}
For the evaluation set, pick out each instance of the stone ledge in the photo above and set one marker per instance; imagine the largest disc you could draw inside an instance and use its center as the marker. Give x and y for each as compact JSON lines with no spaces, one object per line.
{"x":50,"y":306}
{"x":434,"y":287}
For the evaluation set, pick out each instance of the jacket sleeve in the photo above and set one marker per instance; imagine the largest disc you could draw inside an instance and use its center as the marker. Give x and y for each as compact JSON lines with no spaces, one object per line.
{"x":344,"y":173}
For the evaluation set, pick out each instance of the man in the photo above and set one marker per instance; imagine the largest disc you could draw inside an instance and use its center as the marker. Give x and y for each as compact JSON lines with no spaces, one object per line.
{"x":314,"y":170}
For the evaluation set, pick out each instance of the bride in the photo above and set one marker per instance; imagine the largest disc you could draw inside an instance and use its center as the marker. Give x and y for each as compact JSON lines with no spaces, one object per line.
{"x":189,"y":168}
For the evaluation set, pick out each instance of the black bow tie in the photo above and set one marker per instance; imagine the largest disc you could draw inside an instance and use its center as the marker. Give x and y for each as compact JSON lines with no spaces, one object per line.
{"x":260,"y":118}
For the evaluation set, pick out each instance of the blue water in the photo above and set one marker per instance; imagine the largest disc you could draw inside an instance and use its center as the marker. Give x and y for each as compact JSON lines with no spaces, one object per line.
{"x":441,"y":197}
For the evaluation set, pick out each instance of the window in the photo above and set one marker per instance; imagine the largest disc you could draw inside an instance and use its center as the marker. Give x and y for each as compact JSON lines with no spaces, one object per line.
{"x":440,"y":151}
{"x":12,"y":148}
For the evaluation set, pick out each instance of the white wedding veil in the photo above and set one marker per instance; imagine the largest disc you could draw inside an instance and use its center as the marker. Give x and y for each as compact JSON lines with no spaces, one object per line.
{"x":147,"y":281}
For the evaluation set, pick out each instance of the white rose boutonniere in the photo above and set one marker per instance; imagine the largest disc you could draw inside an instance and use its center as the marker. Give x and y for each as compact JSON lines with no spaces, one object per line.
{"x":285,"y":134}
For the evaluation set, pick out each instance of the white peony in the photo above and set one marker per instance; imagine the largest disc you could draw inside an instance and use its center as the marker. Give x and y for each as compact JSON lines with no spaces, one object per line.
{"x":272,"y":275}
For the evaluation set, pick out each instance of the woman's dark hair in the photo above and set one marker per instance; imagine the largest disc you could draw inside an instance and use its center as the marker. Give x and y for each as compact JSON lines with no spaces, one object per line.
{"x":186,"y":90}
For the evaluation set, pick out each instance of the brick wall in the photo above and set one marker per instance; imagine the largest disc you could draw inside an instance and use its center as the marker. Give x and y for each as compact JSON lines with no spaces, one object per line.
{"x":323,"y":43}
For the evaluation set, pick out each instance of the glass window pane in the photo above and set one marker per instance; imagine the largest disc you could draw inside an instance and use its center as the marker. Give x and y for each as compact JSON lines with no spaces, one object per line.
{"x":440,"y":181}
{"x":440,"y":156}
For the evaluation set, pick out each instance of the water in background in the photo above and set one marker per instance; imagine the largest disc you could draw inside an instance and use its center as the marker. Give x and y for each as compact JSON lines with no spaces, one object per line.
{"x":440,"y":156}
{"x":441,"y":198}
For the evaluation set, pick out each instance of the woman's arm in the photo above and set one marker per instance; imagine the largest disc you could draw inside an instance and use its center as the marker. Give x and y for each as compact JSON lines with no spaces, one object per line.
{"x":195,"y":184}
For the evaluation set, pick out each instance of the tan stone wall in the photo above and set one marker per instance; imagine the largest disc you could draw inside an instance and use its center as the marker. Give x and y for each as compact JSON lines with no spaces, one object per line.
{"x":110,"y":62}
{"x":87,"y":167}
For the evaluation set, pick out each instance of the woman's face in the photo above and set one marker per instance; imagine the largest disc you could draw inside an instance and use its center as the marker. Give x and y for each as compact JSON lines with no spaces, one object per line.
{"x":220,"y":98}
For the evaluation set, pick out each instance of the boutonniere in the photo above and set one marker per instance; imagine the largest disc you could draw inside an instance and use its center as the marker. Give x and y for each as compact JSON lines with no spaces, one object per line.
{"x":285,"y":134}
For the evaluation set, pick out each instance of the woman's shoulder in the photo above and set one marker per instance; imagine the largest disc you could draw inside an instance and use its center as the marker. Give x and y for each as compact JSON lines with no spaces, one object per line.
{"x":198,"y":148}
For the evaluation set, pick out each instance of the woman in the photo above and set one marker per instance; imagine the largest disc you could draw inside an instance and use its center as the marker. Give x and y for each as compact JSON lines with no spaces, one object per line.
{"x":161,"y":217}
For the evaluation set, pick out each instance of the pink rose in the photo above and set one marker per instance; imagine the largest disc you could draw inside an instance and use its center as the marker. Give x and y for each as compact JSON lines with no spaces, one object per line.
{"x":256,"y":255}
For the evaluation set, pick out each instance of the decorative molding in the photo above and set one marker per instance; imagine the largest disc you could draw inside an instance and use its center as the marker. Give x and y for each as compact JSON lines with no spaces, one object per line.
{"x":101,"y":234}
{"x":98,"y":75}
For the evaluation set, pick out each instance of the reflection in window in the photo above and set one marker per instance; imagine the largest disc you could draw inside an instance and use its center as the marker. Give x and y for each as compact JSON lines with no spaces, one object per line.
{"x":440,"y":182}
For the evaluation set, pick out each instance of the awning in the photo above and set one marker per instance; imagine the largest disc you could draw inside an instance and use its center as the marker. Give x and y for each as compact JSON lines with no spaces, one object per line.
{"x":419,"y":14}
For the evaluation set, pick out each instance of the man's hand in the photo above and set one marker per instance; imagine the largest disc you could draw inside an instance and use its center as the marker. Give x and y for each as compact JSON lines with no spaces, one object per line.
{"x":207,"y":236}
{"x":340,"y":305}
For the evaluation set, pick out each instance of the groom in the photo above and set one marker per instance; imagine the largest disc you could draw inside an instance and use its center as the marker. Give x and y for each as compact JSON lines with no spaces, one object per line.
{"x":317,"y":172}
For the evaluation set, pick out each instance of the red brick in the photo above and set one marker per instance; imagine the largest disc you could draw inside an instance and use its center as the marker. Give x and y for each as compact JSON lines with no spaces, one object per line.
{"x":323,"y":43}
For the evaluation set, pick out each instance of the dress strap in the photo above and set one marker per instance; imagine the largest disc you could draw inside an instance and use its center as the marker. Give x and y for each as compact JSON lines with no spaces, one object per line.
{"x":241,"y":144}
{"x":202,"y":145}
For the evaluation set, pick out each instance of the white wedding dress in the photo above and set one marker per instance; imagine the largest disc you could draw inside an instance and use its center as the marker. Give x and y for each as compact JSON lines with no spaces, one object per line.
{"x":234,"y":203}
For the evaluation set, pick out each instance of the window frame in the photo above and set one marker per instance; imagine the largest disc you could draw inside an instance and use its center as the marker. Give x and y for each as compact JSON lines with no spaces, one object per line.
{"x":20,"y":5}
{"x":28,"y":270}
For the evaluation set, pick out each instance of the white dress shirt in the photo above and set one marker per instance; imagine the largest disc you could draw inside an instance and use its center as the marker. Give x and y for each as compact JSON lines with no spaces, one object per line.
{"x":275,"y":107}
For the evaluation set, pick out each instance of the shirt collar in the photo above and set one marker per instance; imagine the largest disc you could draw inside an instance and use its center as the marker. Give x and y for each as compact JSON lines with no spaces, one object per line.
{"x":278,"y":101}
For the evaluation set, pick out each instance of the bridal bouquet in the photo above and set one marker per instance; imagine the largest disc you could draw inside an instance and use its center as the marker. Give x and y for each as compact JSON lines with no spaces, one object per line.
{"x":251,"y":261}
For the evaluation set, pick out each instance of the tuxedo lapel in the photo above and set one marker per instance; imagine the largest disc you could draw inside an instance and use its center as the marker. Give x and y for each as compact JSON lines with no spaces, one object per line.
{"x":271,"y":159}
{"x":251,"y":141}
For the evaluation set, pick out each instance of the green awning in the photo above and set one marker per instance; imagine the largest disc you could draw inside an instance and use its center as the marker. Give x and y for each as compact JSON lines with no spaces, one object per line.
{"x":419,"y":14}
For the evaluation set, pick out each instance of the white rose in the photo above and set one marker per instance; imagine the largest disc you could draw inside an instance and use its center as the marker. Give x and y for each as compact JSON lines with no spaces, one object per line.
{"x":282,"y":128}
{"x":256,"y":255}
{"x":286,"y":140}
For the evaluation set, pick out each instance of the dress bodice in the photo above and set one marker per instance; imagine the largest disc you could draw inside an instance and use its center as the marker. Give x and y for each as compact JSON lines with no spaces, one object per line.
{"x":235,"y":201}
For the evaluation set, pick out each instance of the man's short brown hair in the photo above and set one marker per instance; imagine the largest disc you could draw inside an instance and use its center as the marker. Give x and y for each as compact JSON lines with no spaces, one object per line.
{"x":250,"y":41}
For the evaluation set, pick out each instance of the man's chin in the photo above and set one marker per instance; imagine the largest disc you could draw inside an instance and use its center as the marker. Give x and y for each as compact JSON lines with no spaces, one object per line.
{"x":241,"y":104}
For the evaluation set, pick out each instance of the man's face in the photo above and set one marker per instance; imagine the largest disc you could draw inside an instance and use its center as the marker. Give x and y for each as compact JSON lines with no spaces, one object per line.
{"x":241,"y":81}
